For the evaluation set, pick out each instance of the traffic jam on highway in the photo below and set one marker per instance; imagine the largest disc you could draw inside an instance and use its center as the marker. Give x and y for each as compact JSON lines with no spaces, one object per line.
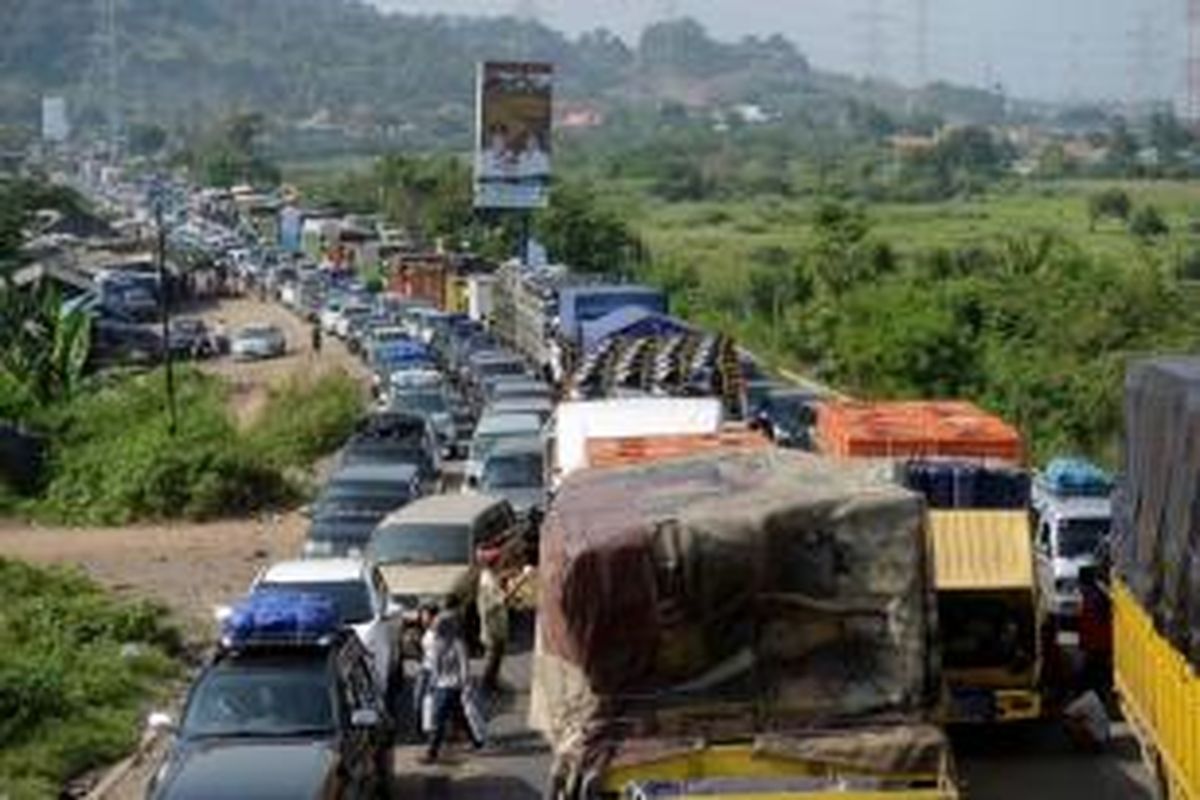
{"x":739,"y":587}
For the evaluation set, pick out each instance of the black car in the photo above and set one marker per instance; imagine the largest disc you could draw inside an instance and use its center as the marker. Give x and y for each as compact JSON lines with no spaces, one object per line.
{"x":395,"y":437}
{"x":284,"y":722}
{"x":353,"y":501}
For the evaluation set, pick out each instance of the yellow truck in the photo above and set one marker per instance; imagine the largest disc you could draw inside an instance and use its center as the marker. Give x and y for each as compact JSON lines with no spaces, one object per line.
{"x":989,"y":617}
{"x":1160,"y":697}
{"x":1156,"y":554}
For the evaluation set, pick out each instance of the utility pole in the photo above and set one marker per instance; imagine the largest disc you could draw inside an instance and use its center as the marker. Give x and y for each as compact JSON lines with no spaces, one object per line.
{"x":922,"y":48}
{"x":1141,"y":64}
{"x":871,"y":20}
{"x":164,"y":295}
{"x":110,"y":57}
{"x":1192,"y":112}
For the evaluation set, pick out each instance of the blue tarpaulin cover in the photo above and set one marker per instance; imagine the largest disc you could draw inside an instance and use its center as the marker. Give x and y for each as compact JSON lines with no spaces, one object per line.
{"x":631,"y":321}
{"x":281,"y":617}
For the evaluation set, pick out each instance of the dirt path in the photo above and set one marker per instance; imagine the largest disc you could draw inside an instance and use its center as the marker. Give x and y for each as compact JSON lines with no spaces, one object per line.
{"x":188,"y":567}
{"x":251,"y":382}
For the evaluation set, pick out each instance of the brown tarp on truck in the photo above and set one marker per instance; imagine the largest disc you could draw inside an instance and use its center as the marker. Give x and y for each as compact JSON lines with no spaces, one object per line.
{"x":729,"y":596}
{"x":1156,"y":543}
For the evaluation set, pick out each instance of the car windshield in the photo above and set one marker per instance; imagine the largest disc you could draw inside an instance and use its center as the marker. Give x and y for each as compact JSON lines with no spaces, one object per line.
{"x":348,"y":503}
{"x":274,"y":699}
{"x":351,"y":597}
{"x":425,"y":543}
{"x":513,"y":471}
{"x":1081,"y":537}
{"x":424,"y":402}
{"x":257,"y":333}
{"x":500,"y":368}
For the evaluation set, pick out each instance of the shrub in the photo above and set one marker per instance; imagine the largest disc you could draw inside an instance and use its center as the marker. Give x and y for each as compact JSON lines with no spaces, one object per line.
{"x":76,"y":670}
{"x":1148,"y":223}
{"x":114,"y":459}
{"x":306,"y":419}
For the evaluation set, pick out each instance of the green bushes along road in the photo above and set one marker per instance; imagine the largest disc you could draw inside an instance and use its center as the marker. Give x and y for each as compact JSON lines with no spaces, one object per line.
{"x":77,"y":671}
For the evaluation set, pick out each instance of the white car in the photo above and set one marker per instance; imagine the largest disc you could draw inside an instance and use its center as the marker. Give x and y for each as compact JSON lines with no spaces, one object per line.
{"x":358,"y":591}
{"x":258,"y":341}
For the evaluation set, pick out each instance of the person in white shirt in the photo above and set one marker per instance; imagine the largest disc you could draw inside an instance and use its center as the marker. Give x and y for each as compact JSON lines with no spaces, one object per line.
{"x":445,"y":657}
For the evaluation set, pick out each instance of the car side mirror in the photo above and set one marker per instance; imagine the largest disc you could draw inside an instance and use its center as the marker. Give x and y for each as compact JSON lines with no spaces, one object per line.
{"x":160,"y":722}
{"x":364,"y":718}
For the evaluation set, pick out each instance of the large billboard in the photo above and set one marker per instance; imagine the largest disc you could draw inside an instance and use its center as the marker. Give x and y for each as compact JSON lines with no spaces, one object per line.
{"x":512,"y":153}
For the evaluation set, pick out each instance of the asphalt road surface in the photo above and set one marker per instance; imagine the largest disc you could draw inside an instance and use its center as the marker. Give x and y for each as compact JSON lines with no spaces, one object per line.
{"x":1033,"y":762}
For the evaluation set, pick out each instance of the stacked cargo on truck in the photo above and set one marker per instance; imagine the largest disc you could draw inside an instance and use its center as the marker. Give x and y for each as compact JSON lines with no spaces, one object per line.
{"x":763,"y":631}
{"x":967,"y":465}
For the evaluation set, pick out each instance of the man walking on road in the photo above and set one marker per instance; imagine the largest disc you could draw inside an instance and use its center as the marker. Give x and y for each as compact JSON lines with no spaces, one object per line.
{"x":492,"y":599}
{"x":446,"y":659}
{"x":316,"y":339}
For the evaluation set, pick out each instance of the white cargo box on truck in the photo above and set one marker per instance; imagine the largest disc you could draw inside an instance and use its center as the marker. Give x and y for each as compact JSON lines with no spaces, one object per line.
{"x":577,"y":423}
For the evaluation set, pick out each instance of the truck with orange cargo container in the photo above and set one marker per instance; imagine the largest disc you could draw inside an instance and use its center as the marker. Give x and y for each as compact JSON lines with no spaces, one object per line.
{"x":990,"y":608}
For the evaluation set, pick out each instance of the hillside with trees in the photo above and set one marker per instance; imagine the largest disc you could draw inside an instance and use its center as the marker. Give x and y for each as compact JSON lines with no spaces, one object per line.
{"x":404,"y":80}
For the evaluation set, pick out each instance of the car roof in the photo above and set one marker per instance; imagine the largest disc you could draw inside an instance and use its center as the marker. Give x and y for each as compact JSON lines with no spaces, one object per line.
{"x":399,"y":472}
{"x":508,"y":423}
{"x":518,"y":405}
{"x":444,"y":508}
{"x":1074,"y":507}
{"x":515,"y":382}
{"x":317,"y":570}
{"x":494,"y":356}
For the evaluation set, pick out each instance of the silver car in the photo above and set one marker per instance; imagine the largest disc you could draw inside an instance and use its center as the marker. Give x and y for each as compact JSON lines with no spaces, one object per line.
{"x":258,"y":341}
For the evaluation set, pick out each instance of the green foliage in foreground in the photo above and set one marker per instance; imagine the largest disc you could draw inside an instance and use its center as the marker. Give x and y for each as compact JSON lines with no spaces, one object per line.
{"x":114,"y":459}
{"x":77,"y":669}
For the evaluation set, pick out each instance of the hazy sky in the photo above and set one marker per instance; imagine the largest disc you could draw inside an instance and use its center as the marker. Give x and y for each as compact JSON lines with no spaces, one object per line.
{"x":1051,"y":49}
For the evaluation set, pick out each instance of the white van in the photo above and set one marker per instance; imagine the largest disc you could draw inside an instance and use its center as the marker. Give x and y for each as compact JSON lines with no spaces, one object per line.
{"x":1071,"y":530}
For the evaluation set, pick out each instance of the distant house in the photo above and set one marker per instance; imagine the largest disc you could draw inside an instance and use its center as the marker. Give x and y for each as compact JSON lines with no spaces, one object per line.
{"x":752,"y":114}
{"x":581,"y":118}
{"x":912,"y":144}
{"x":1084,"y":152}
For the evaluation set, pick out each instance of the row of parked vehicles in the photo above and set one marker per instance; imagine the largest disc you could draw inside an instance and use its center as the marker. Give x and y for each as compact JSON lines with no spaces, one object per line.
{"x":309,"y":674}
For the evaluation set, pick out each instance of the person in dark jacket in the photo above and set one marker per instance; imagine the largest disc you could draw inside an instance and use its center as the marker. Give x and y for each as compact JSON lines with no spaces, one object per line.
{"x":1095,"y":633}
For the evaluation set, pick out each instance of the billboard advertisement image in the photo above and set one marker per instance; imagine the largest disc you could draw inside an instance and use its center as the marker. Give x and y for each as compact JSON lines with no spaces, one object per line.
{"x":512,"y":155}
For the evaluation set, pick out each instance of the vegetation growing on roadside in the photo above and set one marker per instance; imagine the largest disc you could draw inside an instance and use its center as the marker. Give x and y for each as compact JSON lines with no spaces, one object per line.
{"x":305,"y":419}
{"x":114,"y":459}
{"x":77,"y":669}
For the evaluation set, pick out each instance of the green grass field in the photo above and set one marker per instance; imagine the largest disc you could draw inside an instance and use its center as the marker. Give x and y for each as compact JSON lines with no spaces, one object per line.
{"x":721,"y":236}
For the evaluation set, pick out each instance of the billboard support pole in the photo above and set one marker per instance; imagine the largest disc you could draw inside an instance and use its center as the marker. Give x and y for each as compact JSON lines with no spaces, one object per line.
{"x":526,"y":236}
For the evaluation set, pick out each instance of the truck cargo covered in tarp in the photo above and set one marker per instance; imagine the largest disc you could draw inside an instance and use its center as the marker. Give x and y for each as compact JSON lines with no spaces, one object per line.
{"x":1157,"y":509}
{"x":729,"y":596}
